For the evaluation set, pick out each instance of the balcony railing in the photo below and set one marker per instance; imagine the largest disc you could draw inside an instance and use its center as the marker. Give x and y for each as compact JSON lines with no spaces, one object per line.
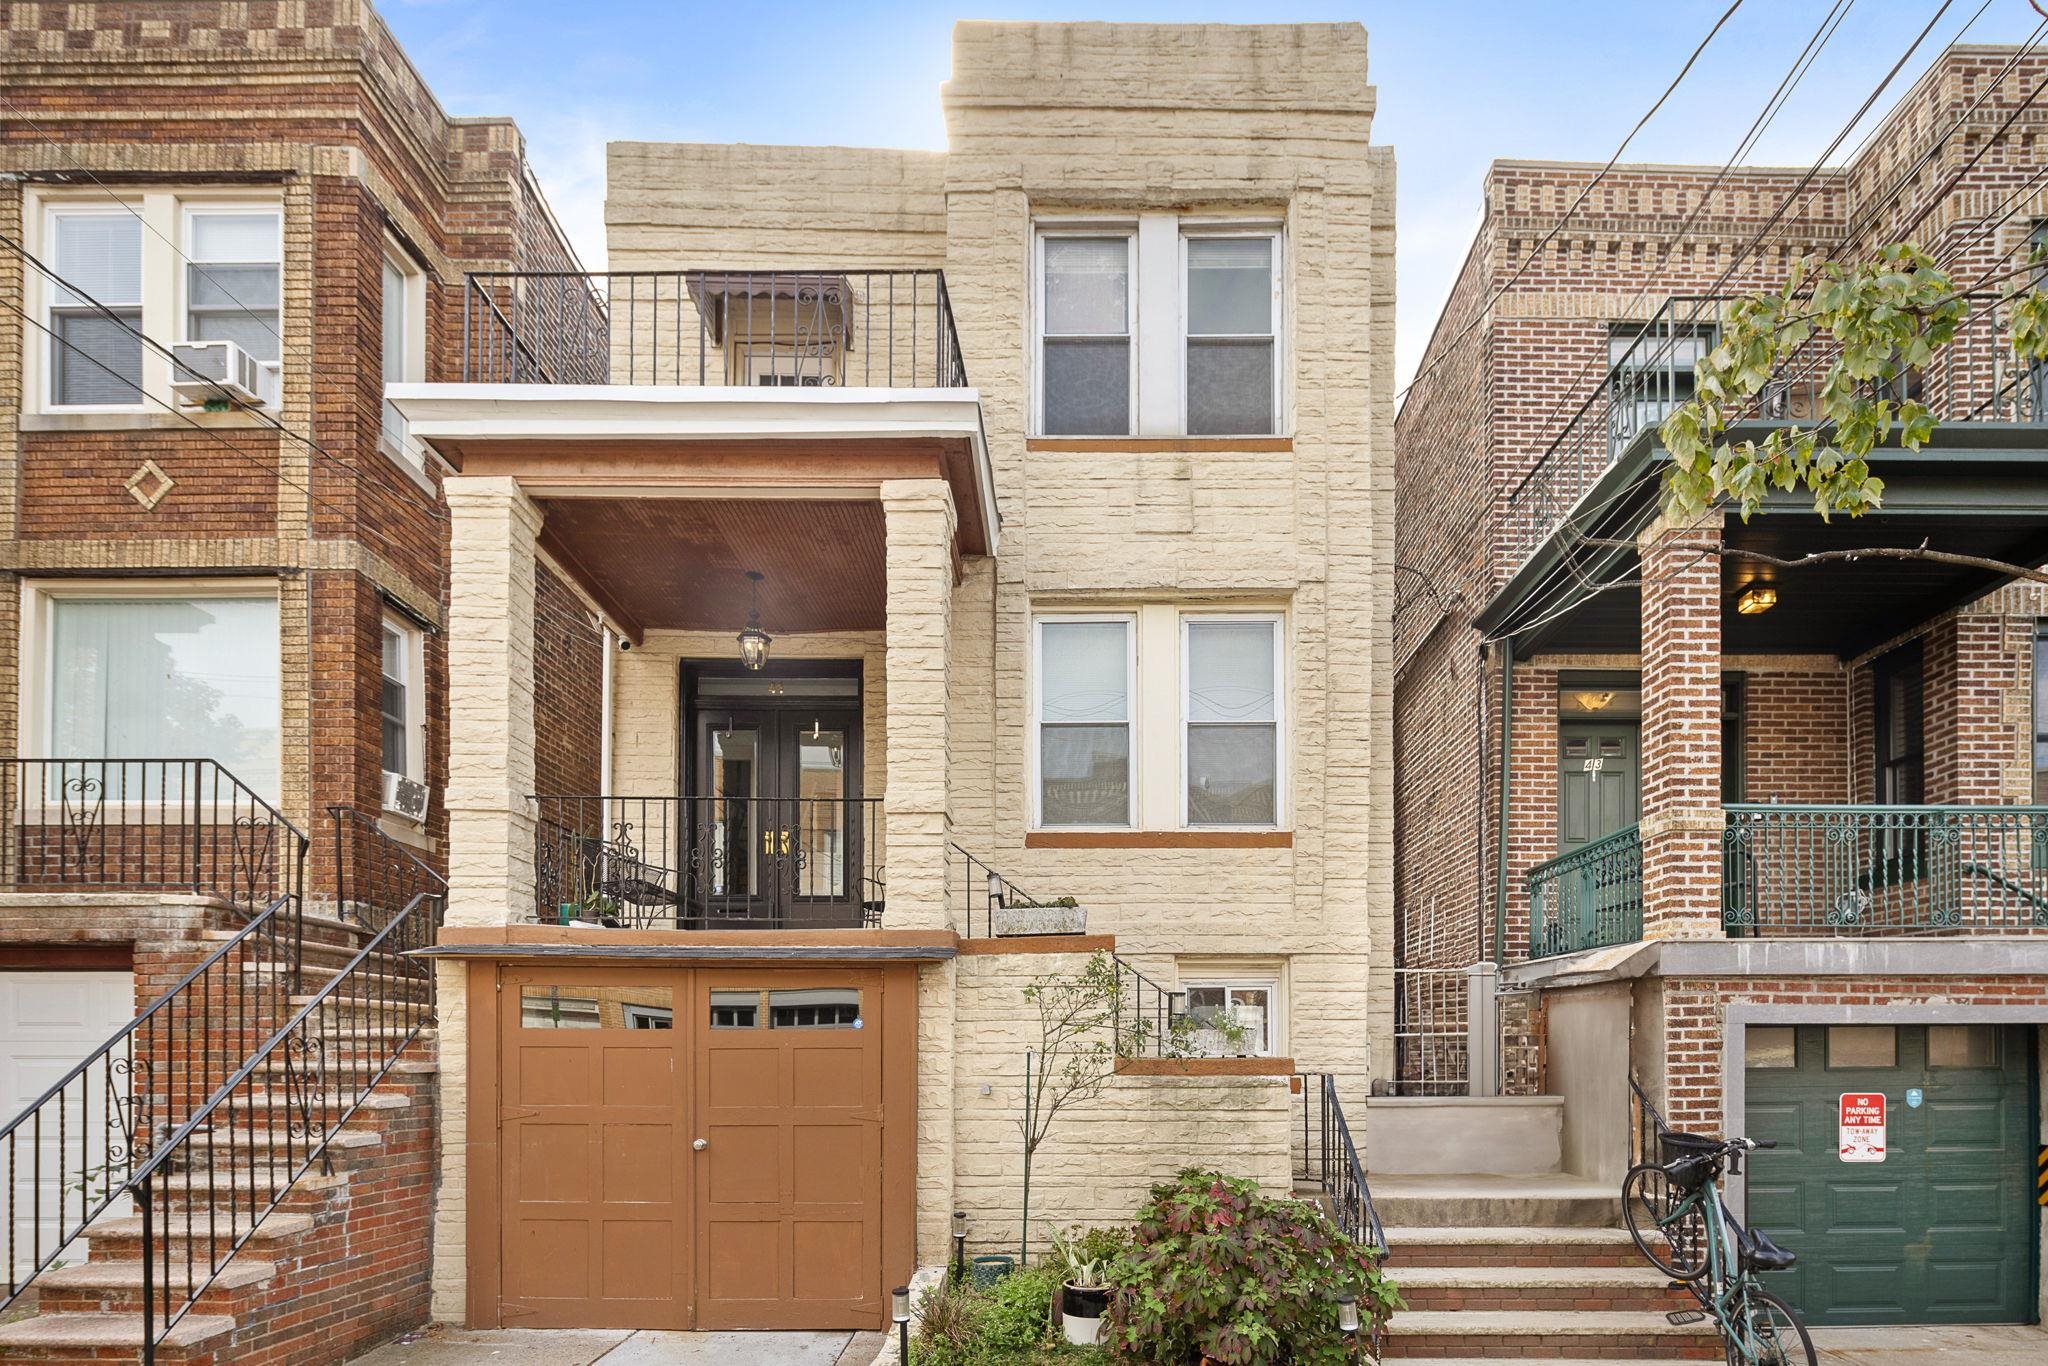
{"x":778,"y":328}
{"x":1976,"y":378}
{"x":1590,"y":898}
{"x":708,"y":862}
{"x":1884,"y":870}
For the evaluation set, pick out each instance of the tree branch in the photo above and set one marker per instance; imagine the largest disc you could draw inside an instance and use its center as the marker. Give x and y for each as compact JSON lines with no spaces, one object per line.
{"x":1919,"y":552}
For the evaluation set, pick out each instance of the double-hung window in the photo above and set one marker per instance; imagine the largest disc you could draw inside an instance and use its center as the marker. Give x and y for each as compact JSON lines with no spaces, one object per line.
{"x":404,"y":328}
{"x":232,"y":272}
{"x":1230,"y":709}
{"x":96,"y":342}
{"x":1085,"y":315}
{"x":1085,"y":676}
{"x":402,"y":702}
{"x":1232,"y":310}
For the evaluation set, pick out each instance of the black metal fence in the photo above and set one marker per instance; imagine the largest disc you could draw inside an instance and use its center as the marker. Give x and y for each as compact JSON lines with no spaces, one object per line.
{"x":375,"y":877}
{"x":1327,"y":1159}
{"x":978,"y":895}
{"x":709,"y":862}
{"x":781,"y":328}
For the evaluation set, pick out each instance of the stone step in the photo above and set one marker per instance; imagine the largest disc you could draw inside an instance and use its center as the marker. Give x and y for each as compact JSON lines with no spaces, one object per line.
{"x":1598,"y":1289}
{"x":46,"y":1336}
{"x":264,"y":1139}
{"x":1554,"y":1333}
{"x":110,"y":1287}
{"x":1510,"y":1245}
{"x":120,"y":1237}
{"x":1479,"y":1199}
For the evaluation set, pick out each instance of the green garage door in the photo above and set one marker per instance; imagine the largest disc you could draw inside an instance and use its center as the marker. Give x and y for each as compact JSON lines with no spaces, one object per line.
{"x":1940,"y":1231}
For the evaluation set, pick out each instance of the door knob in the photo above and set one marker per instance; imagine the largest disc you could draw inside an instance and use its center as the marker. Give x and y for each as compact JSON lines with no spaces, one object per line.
{"x":701,"y":1144}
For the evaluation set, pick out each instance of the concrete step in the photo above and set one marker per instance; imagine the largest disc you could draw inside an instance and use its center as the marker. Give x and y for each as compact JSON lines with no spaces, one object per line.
{"x":1576,"y":1333}
{"x":1510,"y":1245}
{"x":1477,"y":1199}
{"x":46,"y":1336}
{"x":1597,"y":1289}
{"x":109,"y":1287}
{"x":264,"y":1140}
{"x":119,"y":1238}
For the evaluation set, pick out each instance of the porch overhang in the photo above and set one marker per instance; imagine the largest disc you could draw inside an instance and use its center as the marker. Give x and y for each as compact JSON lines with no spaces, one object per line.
{"x":562,"y":943}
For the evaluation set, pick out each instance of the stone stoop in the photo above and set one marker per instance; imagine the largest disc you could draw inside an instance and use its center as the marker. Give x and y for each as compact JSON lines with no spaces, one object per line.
{"x":1526,"y":1267}
{"x":341,"y":1265}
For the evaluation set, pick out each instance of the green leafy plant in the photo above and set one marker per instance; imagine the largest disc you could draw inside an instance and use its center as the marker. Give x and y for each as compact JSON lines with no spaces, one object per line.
{"x":1008,"y":1324}
{"x":1084,"y":1258}
{"x":1075,"y":1056}
{"x":1217,"y":1269}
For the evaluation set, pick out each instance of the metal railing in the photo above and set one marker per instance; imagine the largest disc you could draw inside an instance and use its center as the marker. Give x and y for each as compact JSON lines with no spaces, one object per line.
{"x":782,"y":328}
{"x":977,"y":894}
{"x":145,"y":825}
{"x":1431,"y":1032}
{"x":709,"y":862}
{"x":1590,"y":898}
{"x":1328,"y":1159}
{"x":1147,"y":1020}
{"x":1883,"y":870}
{"x":376,"y":877}
{"x":1975,"y":378}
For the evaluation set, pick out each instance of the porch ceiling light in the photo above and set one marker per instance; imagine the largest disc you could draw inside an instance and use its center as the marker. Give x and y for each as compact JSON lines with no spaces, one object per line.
{"x":1593,"y":701}
{"x":1756,"y":599}
{"x":754,"y":641}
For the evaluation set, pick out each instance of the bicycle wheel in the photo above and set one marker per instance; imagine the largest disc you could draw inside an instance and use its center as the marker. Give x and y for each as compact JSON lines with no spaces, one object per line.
{"x":1772,"y":1333}
{"x":1667,"y":1223}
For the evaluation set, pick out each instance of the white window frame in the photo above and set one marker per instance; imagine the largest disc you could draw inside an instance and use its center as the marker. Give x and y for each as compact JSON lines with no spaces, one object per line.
{"x":1278,"y":622}
{"x":415,"y":694}
{"x":393,"y":430}
{"x":1129,"y":621}
{"x":38,"y":685}
{"x":190,"y":210}
{"x":1054,"y":229}
{"x":1229,"y":982}
{"x":44,"y":344}
{"x":1191,"y":229}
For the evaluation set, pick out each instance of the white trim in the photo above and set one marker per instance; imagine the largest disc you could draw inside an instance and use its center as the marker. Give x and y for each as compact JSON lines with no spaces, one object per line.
{"x":1281,"y":747}
{"x":1129,"y":621}
{"x":1211,"y":229}
{"x":1045,"y":230}
{"x":414,"y":641}
{"x":1229,"y":980}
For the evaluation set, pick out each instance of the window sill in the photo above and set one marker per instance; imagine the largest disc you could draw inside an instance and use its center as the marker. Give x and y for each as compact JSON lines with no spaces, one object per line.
{"x":1163,"y":444}
{"x":1159,"y":839}
{"x":1205,"y":1067}
{"x":155,"y":419}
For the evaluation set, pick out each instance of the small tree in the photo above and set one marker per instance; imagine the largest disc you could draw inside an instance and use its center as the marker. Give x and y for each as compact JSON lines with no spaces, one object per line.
{"x":1074,"y":1059}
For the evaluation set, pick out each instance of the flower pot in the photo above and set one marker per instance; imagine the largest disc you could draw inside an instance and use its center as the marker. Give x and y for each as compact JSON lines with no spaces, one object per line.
{"x":1026,"y":920}
{"x":1081,"y":1311}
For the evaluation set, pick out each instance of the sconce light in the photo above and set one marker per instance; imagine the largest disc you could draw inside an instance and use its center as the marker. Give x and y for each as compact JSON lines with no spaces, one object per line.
{"x":1756,"y":599}
{"x":754,"y":641}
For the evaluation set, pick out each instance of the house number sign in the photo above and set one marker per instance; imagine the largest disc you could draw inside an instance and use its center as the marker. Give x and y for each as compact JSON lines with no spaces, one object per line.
{"x":1862,"y":1127}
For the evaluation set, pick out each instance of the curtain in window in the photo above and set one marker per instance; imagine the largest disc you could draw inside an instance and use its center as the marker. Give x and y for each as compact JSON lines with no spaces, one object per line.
{"x":1232,"y":723}
{"x":1084,"y":759}
{"x":1086,"y":375}
{"x":94,"y":358}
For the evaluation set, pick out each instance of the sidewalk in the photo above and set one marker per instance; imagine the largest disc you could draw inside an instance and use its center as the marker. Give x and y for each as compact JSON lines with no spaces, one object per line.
{"x":440,"y":1346}
{"x":1976,"y":1346}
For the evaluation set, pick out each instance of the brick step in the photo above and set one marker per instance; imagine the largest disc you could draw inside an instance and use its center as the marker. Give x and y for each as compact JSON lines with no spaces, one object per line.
{"x":119,"y":1239}
{"x":267,"y":1140}
{"x":109,"y":1287}
{"x":403,"y":1002}
{"x":68,"y":1338}
{"x":1521,"y":1333}
{"x":324,"y":962}
{"x":1598,"y":1289}
{"x":1514,"y":1246}
{"x":1487,"y":1199}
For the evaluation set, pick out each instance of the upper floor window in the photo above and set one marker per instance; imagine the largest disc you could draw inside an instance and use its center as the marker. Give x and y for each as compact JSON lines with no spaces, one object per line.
{"x":1231,"y":712}
{"x":402,"y":701}
{"x":2041,"y":712}
{"x":95,"y":342}
{"x":404,"y":327}
{"x":1086,"y":670}
{"x":1160,"y":327}
{"x":233,"y":259}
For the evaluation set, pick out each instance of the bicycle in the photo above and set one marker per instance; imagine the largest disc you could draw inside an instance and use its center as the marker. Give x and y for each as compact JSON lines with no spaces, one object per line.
{"x":1675,"y":1213}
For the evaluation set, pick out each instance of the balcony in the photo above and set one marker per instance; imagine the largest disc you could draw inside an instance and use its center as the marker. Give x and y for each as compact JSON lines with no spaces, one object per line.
{"x":1589,"y":898}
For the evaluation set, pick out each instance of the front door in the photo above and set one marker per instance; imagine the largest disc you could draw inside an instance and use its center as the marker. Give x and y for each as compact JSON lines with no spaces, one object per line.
{"x":778,"y":832}
{"x":1596,"y":782}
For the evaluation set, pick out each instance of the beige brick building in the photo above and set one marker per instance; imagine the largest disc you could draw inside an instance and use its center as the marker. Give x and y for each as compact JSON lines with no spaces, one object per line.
{"x":1058,"y":468}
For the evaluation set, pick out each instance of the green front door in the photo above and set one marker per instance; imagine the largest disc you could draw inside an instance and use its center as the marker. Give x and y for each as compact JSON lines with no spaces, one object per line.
{"x":1940,"y":1231}
{"x":1596,"y":782}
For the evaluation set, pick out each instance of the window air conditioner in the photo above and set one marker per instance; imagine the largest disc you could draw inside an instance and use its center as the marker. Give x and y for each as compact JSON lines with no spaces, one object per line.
{"x":222,"y":372}
{"x":405,"y":797}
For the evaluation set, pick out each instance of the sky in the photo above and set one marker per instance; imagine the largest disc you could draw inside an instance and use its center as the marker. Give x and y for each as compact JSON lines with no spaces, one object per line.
{"x":1461,"y":82}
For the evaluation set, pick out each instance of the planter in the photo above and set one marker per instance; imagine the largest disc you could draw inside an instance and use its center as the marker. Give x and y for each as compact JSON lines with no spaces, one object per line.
{"x":1081,"y":1311}
{"x":986,"y":1271}
{"x":1029,"y":920}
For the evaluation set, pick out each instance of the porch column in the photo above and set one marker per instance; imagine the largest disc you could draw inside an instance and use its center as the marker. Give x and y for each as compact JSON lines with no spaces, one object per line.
{"x":492,"y":527}
{"x":920,"y":523}
{"x":1681,"y":737}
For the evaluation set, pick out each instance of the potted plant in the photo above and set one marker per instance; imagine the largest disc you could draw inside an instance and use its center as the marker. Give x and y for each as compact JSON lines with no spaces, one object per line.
{"x":1084,"y":1287}
{"x":1061,"y":915}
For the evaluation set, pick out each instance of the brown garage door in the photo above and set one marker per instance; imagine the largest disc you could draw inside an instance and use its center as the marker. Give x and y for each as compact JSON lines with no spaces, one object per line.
{"x":611,"y":1218}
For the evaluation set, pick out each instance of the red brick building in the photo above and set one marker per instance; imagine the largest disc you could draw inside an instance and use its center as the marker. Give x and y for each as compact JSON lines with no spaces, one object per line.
{"x":1752,"y":834}
{"x":227,"y":227}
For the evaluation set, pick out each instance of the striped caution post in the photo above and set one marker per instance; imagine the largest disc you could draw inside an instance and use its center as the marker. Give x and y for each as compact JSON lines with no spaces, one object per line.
{"x":2041,"y":1176}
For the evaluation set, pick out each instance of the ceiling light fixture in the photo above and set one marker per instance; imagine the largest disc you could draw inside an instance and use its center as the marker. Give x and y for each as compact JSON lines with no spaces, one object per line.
{"x":754,"y":641}
{"x":1757,"y":599}
{"x":1592,"y":701}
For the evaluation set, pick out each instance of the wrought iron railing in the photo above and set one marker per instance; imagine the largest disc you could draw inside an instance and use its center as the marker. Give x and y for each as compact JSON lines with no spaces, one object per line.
{"x":709,"y":862}
{"x":1975,"y":378}
{"x":1147,"y":1019}
{"x":1589,"y":898}
{"x":781,"y":328}
{"x":1327,"y":1158}
{"x":375,"y":876}
{"x":145,"y":825}
{"x":1431,"y":1039}
{"x":977,"y":895}
{"x":1884,"y":870}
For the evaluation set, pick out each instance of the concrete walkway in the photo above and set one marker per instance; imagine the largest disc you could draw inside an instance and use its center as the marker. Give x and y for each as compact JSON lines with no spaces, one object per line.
{"x":438,"y":1346}
{"x":1986,"y":1346}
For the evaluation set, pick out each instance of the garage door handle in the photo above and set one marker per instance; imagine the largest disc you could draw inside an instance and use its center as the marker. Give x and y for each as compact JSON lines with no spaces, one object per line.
{"x":701,"y":1144}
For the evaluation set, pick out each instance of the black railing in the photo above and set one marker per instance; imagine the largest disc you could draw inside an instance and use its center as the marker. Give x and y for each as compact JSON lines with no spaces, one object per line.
{"x":780,"y":328}
{"x":1148,"y":1020}
{"x":1328,"y":1160}
{"x":978,"y":895}
{"x":709,"y":862}
{"x":376,"y":877}
{"x":145,"y":825}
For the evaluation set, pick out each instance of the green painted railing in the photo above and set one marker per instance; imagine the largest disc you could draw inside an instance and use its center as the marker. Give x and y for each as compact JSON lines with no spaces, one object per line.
{"x":1589,"y":898}
{"x":1879,"y":870}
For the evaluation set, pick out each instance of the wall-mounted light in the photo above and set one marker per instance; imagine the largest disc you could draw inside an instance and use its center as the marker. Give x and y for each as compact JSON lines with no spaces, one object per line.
{"x":1592,"y":701}
{"x":754,"y":641}
{"x":1756,"y":599}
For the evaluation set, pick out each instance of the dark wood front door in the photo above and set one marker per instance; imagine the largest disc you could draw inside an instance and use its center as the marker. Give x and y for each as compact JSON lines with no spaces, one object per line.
{"x":778,"y":828}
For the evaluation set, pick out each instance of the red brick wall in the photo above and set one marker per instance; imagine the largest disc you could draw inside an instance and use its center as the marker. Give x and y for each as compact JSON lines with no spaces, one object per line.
{"x":568,"y":704}
{"x":1795,"y":736}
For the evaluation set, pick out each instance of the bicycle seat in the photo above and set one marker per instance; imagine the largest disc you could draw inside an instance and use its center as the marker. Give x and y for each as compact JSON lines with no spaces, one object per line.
{"x":1764,"y":1255}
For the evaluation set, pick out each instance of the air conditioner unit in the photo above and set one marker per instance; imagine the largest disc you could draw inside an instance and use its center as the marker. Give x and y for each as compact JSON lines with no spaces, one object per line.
{"x":405,"y":797}
{"x":222,"y":372}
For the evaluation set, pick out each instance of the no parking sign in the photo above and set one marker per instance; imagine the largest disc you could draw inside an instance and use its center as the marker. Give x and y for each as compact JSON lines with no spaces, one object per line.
{"x":1862,"y":1127}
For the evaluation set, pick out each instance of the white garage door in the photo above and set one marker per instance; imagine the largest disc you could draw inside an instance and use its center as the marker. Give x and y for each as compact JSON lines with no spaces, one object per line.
{"x":49,"y":1021}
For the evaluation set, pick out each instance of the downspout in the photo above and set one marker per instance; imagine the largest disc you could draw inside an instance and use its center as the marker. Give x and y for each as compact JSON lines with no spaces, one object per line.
{"x":1479,"y":805}
{"x":1500,"y":875}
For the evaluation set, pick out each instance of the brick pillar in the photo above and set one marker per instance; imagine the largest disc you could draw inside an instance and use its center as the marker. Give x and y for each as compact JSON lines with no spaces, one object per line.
{"x":1681,"y":736}
{"x":492,"y":526}
{"x":920,"y":524}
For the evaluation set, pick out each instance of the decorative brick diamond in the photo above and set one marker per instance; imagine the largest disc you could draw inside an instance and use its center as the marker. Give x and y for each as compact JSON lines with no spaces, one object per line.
{"x":149,"y":485}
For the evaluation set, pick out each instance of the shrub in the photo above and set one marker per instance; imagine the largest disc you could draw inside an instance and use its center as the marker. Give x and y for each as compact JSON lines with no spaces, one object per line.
{"x":1009,"y":1322}
{"x":1217,"y":1269}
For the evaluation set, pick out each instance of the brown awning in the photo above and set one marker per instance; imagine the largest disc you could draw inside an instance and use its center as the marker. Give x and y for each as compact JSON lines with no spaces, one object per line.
{"x":817,"y":304}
